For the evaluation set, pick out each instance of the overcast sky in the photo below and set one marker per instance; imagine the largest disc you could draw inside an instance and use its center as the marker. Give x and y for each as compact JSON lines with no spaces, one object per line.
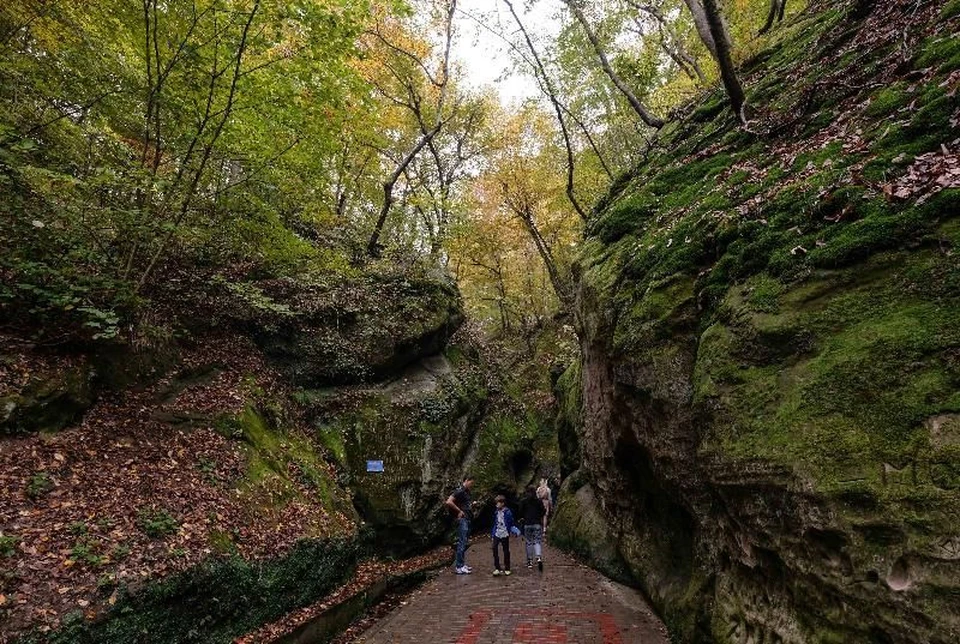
{"x":486,"y":58}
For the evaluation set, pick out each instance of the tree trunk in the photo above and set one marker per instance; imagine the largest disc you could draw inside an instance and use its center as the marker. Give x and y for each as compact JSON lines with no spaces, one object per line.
{"x":670,"y":42}
{"x":777,"y":9}
{"x":373,"y":246}
{"x":635,"y":103}
{"x":702,"y":24}
{"x":427,"y":136}
{"x":563,"y":293}
{"x":593,"y":144}
{"x":727,"y":71}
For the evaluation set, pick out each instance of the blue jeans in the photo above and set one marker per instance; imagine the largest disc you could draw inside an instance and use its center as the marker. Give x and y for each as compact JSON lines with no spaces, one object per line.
{"x":463,"y":533}
{"x":532,"y":535}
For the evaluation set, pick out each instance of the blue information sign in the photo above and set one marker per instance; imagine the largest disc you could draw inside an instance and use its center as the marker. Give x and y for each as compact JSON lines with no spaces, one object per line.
{"x":374,"y":466}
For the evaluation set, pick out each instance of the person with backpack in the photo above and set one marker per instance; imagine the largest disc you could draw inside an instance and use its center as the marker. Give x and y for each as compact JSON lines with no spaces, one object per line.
{"x":533,"y":514}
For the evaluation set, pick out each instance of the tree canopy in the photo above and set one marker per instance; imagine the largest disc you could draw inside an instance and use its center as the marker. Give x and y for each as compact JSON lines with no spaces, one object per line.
{"x":263,"y":138}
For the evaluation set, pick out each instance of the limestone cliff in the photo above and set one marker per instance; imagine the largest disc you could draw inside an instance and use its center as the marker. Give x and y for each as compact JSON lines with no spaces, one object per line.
{"x":769,"y":433}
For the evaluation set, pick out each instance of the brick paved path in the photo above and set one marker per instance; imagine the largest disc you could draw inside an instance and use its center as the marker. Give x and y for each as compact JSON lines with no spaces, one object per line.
{"x":567,"y":603}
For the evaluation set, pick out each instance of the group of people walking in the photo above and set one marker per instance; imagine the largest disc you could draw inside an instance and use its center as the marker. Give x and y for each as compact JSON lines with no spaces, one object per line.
{"x":535,"y":509}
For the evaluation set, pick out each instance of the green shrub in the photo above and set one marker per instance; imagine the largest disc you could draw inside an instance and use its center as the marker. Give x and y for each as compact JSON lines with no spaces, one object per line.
{"x":217,"y":600}
{"x":39,"y":484}
{"x":157,"y":523}
{"x":8,"y":545}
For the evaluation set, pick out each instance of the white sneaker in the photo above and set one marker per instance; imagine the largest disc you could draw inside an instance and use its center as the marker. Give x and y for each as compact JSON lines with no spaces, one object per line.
{"x":464,"y":571}
{"x":468,"y":568}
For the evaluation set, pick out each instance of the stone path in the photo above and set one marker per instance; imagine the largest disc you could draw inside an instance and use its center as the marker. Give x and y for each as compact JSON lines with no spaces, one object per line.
{"x":567,"y":603}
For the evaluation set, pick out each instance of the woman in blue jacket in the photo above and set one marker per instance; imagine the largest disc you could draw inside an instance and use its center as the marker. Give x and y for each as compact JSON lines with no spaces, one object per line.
{"x":502,"y":528}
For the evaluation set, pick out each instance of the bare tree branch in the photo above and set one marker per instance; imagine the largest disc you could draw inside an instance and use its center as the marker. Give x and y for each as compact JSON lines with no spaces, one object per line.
{"x":669,"y":41}
{"x":638,"y":107}
{"x":542,"y":87}
{"x":373,"y":245}
{"x":547,"y":85}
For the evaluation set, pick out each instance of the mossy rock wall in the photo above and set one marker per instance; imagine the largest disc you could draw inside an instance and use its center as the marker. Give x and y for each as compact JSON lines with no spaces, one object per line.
{"x":569,"y":419}
{"x":435,"y":423}
{"x":579,"y":526}
{"x":423,"y":426}
{"x":363,"y":330}
{"x":425,"y":445}
{"x":47,"y":400}
{"x":770,"y":335}
{"x":282,"y":492}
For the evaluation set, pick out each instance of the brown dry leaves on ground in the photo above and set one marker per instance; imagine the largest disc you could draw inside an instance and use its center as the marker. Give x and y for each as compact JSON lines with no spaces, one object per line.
{"x":78,"y":503}
{"x":927,"y":175}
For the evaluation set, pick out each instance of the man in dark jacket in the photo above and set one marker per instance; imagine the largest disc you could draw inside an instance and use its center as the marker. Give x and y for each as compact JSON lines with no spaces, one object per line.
{"x":459,"y":503}
{"x":532,"y":514}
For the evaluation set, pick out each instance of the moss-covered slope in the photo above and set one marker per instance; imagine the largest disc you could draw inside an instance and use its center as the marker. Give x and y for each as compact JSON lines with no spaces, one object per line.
{"x":771,"y":338}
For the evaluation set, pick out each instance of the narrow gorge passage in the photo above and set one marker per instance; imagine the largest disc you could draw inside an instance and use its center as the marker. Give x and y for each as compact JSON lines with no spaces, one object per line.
{"x":298,"y":296}
{"x":567,"y":603}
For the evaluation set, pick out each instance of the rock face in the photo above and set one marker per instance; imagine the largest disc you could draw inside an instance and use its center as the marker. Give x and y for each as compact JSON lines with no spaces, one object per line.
{"x":48,"y":398}
{"x":770,"y":444}
{"x":248,"y":434}
{"x":362,"y":331}
{"x":423,"y":427}
{"x":429,"y":426}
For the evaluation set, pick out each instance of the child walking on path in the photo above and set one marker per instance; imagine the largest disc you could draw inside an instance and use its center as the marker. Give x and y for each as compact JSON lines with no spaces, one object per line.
{"x":533,"y":513}
{"x":503,"y":527}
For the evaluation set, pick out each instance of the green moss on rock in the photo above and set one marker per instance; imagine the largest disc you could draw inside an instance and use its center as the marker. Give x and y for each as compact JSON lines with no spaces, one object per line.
{"x":216,"y":601}
{"x":281,"y":464}
{"x":580,"y":528}
{"x":772,"y":331}
{"x":50,"y":401}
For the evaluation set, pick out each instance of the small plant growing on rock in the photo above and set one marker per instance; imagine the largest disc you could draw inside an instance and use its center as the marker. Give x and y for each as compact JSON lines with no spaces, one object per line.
{"x":157,"y":523}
